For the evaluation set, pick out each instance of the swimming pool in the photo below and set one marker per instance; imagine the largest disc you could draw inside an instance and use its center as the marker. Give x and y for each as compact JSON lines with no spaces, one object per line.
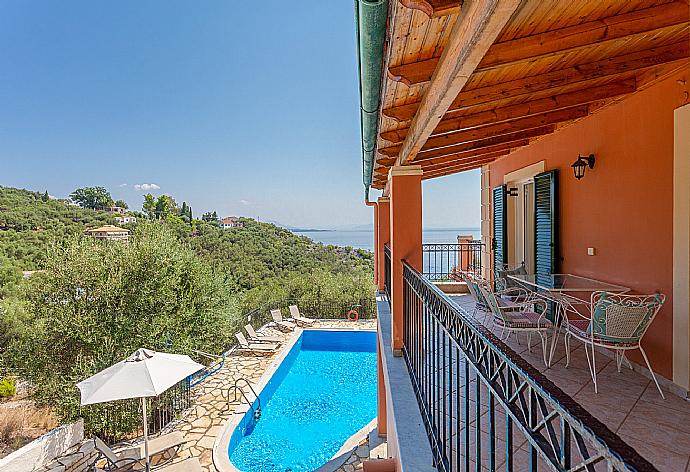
{"x":322,"y":391}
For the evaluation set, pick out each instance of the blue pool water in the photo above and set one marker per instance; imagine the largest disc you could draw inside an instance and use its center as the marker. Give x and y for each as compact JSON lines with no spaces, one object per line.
{"x":323,"y":392}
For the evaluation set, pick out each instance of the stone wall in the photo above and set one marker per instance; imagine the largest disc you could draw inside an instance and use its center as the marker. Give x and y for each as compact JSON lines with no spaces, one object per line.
{"x":79,"y":458}
{"x":66,"y":439}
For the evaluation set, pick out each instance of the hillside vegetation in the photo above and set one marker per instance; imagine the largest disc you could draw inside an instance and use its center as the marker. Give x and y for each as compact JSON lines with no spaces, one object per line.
{"x":178,"y":285}
{"x":255,"y":256}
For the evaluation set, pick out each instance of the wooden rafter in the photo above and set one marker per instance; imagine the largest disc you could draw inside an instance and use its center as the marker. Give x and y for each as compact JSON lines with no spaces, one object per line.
{"x":433,"y":8}
{"x":502,"y":147}
{"x":475,"y":29}
{"x":476,"y":145}
{"x":507,"y":127}
{"x":427,"y":167}
{"x":617,"y":66}
{"x":532,"y":133}
{"x":573,"y":38}
{"x":459,"y":168}
{"x":522,"y":110}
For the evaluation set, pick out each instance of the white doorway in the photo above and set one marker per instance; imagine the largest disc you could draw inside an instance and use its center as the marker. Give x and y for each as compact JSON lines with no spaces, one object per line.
{"x":520,"y":209}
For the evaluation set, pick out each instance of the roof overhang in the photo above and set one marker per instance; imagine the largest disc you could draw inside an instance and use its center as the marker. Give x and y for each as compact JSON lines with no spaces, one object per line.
{"x":465,"y":83}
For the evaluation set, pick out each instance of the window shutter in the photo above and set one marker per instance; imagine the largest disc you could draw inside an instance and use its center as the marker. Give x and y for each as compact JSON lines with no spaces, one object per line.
{"x":500,"y":233}
{"x":546,"y":222}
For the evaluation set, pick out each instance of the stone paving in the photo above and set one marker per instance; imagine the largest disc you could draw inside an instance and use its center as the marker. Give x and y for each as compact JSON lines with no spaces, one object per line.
{"x":356,"y":459}
{"x":204,"y":421}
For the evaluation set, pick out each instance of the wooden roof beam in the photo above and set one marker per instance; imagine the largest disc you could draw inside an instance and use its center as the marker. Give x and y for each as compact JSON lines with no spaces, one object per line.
{"x":508,"y":127}
{"x":462,"y":161}
{"x":617,"y":66}
{"x":497,"y":148}
{"x":522,"y":110}
{"x":434,"y":8}
{"x":528,"y":134}
{"x":456,"y":169}
{"x":572,"y":38}
{"x":484,"y":143}
{"x":475,"y":29}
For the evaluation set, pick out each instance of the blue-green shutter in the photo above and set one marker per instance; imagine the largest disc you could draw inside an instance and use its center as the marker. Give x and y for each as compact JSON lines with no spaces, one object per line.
{"x":499,"y":242}
{"x":546,"y":223}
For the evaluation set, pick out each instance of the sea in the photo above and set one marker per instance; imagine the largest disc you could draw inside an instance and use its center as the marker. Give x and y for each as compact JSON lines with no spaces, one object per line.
{"x":364,"y":239}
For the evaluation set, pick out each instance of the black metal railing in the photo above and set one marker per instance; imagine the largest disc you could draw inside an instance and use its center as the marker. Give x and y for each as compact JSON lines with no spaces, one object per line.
{"x":387,"y":271}
{"x":119,"y":420}
{"x":312,"y":308}
{"x":486,"y":408}
{"x":442,"y":261}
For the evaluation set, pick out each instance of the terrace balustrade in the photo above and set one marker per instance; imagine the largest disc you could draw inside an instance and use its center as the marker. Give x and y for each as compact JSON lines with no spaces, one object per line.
{"x":484,"y":407}
{"x":441,"y":261}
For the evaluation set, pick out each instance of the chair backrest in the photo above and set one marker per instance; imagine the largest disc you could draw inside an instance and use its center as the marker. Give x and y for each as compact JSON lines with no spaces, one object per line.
{"x":242,"y":340}
{"x":277,"y":315}
{"x":501,"y":274}
{"x":492,"y":302}
{"x":105,"y":450}
{"x":294,"y":312}
{"x":250,"y":331}
{"x":473,"y":287}
{"x":623,"y":318}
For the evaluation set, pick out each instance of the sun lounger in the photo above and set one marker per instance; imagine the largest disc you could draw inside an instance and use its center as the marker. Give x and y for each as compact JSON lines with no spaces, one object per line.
{"x":134,"y":455}
{"x":280,"y":322}
{"x":253,"y":336}
{"x":297,"y":316}
{"x":255,"y":347}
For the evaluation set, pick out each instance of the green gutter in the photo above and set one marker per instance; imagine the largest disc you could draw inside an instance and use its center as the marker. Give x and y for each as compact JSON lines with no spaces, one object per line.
{"x":371,"y":18}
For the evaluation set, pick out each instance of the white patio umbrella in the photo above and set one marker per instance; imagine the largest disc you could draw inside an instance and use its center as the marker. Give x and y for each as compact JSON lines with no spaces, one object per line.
{"x":144,"y":374}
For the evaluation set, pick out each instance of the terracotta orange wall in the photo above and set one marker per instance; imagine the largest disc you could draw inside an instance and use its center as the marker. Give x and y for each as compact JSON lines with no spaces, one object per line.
{"x":624,"y":206}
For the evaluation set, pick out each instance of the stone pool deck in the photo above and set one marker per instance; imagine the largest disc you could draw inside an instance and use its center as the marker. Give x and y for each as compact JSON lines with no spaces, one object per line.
{"x":204,"y":421}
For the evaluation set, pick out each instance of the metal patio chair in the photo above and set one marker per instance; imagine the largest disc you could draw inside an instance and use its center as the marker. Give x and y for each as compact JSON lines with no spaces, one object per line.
{"x":503,"y":282}
{"x":523,"y":317}
{"x":504,"y":297}
{"x":618,"y":322}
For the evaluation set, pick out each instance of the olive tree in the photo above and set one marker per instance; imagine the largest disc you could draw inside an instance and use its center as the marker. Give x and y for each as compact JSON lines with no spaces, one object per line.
{"x":98,"y":301}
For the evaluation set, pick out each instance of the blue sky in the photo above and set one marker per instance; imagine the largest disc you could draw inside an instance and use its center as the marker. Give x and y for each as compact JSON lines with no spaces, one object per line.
{"x":246,"y":108}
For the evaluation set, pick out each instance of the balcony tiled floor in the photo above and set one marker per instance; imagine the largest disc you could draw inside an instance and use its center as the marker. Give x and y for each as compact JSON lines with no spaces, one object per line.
{"x":628,"y":403}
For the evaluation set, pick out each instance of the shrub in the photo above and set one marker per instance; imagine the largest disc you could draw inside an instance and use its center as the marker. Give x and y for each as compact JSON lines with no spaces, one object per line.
{"x":8,"y":387}
{"x":98,"y":301}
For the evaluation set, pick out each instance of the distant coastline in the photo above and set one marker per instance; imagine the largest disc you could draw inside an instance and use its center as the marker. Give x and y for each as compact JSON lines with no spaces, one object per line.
{"x":364,"y":239}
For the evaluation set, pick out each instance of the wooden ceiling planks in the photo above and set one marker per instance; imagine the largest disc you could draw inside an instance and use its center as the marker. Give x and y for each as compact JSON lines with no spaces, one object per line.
{"x":521,"y":110}
{"x":608,"y":67}
{"x":601,"y":33}
{"x":474,"y":31}
{"x":561,"y":59}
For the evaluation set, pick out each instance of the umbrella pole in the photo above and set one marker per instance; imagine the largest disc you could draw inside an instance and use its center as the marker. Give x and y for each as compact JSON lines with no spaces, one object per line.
{"x":146,"y":433}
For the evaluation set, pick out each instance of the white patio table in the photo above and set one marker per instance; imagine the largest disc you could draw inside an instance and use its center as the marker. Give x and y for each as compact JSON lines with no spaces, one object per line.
{"x":568,"y":291}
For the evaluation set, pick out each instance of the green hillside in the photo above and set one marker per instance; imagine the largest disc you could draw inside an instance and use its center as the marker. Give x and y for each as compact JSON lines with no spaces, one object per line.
{"x":260,"y":257}
{"x":28,"y":224}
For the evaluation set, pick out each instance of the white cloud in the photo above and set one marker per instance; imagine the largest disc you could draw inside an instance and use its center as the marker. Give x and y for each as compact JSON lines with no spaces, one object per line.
{"x":123,"y":185}
{"x":244,"y":202}
{"x":146,"y":187}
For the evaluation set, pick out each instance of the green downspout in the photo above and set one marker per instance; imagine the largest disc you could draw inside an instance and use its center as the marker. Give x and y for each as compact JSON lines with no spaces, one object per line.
{"x":371,"y":18}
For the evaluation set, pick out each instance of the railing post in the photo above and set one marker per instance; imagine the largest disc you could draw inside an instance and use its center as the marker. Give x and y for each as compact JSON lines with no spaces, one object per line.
{"x":405,"y":183}
{"x":465,"y":253}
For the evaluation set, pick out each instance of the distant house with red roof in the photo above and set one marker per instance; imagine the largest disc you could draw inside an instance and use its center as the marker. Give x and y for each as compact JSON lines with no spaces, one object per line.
{"x":230,"y":222}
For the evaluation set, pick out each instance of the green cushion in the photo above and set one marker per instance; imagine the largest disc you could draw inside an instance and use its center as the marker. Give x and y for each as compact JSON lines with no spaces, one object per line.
{"x":621,"y":321}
